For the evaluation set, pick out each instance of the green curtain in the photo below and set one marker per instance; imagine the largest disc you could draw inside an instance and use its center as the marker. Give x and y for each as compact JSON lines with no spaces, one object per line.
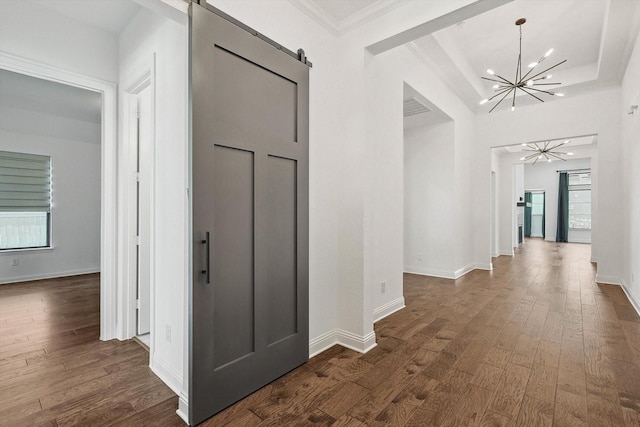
{"x":562,"y":231}
{"x":544,"y":212}
{"x":527,"y":214}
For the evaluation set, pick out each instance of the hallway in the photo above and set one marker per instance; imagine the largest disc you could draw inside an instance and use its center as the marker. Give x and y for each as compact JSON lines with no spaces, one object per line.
{"x":535,"y":342}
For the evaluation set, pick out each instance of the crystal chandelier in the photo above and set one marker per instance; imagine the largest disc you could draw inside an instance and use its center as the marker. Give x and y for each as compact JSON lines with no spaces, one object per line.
{"x":549,"y":151}
{"x":530,"y":83}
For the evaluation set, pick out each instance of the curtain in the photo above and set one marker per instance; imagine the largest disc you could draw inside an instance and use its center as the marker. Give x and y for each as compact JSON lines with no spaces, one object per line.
{"x":562,"y":232}
{"x":544,"y":212}
{"x":527,"y":214}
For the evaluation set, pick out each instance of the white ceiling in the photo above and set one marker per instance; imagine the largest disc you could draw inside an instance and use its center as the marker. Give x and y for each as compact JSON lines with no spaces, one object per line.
{"x":594,"y":36}
{"x":108,"y":15}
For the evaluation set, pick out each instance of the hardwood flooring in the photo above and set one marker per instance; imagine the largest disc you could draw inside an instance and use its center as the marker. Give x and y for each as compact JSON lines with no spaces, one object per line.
{"x":54,"y":370}
{"x":535,"y":342}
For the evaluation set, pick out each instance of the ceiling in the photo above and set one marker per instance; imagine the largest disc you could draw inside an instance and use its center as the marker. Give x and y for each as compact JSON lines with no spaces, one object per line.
{"x":594,"y":36}
{"x":111,"y":16}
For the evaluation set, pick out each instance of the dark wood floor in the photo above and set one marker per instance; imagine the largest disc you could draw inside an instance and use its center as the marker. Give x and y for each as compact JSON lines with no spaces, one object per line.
{"x":54,"y":371}
{"x":536,"y":342}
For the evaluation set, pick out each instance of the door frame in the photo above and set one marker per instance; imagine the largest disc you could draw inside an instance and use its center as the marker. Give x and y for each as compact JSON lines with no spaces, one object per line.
{"x":142,"y":77}
{"x":111,"y":289}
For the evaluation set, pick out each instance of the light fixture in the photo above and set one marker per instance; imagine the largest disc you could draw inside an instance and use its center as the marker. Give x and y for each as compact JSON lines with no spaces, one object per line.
{"x":549,"y":151}
{"x":528,"y":83}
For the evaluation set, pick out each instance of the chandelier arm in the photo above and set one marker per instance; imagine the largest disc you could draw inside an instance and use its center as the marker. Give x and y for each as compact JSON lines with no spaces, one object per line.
{"x":536,"y":160}
{"x":536,"y":144}
{"x":531,"y":149}
{"x":556,"y":146}
{"x":530,"y":157}
{"x":546,"y":84}
{"x":545,"y":156}
{"x":546,"y":144}
{"x":513,"y":104}
{"x":550,"y":68}
{"x":518,"y":65}
{"x":557,"y":157}
{"x":498,"y":94}
{"x":502,"y":99}
{"x":493,"y":80}
{"x":541,"y":90}
{"x":502,"y":78}
{"x":529,"y":93}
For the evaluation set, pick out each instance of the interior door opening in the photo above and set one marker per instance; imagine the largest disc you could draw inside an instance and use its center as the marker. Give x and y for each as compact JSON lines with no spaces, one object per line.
{"x":141,"y":132}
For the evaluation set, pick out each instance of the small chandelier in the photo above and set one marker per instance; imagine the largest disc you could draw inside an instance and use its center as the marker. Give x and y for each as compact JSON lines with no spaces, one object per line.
{"x":548,"y":151}
{"x":529,"y":83}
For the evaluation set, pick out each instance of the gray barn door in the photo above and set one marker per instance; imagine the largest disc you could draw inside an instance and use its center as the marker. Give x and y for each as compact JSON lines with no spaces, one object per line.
{"x":249,"y":321}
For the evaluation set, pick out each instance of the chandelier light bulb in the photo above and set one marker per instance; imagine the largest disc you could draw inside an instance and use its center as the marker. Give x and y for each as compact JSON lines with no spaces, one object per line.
{"x":530,"y":83}
{"x":549,"y":160}
{"x":484,"y":101}
{"x":567,"y":141}
{"x":540,"y":156}
{"x":496,"y":86}
{"x":533,"y":64}
{"x":569,"y":154}
{"x":548,"y":76}
{"x":549,"y":52}
{"x":522,"y":158}
{"x":524,"y":145}
{"x":490,"y":71}
{"x":513,"y":108}
{"x":558,"y":94}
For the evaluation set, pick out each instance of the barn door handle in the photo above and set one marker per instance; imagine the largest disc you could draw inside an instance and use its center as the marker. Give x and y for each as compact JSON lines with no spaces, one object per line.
{"x":207,"y":272}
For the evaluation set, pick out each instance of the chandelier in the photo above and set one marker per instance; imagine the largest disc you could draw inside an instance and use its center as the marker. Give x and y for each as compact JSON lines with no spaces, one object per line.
{"x":549,"y":151}
{"x":531,"y":82}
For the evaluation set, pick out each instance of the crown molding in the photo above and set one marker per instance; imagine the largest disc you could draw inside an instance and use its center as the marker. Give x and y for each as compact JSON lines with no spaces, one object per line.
{"x":341,"y":27}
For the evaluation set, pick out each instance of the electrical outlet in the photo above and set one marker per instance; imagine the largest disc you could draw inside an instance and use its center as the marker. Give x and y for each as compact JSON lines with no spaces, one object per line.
{"x":420,"y":257}
{"x":383,"y":287}
{"x":168,"y":333}
{"x":15,"y":262}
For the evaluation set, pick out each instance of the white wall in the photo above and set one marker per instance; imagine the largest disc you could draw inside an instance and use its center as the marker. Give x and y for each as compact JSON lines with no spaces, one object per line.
{"x":543,"y":176}
{"x":75,"y":212}
{"x":150,"y":38}
{"x":517,"y":196}
{"x":630,"y":202}
{"x":429,"y":220}
{"x":34,"y":32}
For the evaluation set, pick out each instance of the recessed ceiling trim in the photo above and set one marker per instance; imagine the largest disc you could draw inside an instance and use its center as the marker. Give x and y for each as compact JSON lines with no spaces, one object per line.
{"x":343,"y":26}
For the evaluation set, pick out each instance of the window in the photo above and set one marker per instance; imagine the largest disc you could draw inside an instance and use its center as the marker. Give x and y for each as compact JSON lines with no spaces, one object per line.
{"x":537,"y":203}
{"x":580,"y":201}
{"x":25,"y":201}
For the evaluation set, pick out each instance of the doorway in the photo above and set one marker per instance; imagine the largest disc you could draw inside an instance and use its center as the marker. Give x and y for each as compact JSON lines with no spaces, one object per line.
{"x":108,"y":195}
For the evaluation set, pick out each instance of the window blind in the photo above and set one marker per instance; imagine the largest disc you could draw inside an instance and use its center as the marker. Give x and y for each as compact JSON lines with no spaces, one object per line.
{"x":25,"y":182}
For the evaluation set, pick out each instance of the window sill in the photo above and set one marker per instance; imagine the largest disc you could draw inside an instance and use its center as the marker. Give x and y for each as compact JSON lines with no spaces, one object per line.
{"x":13,"y":251}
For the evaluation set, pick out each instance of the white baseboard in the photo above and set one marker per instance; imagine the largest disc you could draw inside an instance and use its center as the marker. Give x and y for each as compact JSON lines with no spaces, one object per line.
{"x":608,"y":280}
{"x":462,"y":271}
{"x":55,"y":275}
{"x":635,"y":301}
{"x":183,"y":408}
{"x":445,"y":274}
{"x":388,"y":308}
{"x":169,"y":376}
{"x":322,"y":343}
{"x":483,"y":266}
{"x":361,"y":344}
{"x":506,"y":253}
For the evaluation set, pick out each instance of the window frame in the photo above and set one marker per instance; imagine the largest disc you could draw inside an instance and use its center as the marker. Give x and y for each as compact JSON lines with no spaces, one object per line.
{"x":581,"y":187}
{"x":49,"y":220}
